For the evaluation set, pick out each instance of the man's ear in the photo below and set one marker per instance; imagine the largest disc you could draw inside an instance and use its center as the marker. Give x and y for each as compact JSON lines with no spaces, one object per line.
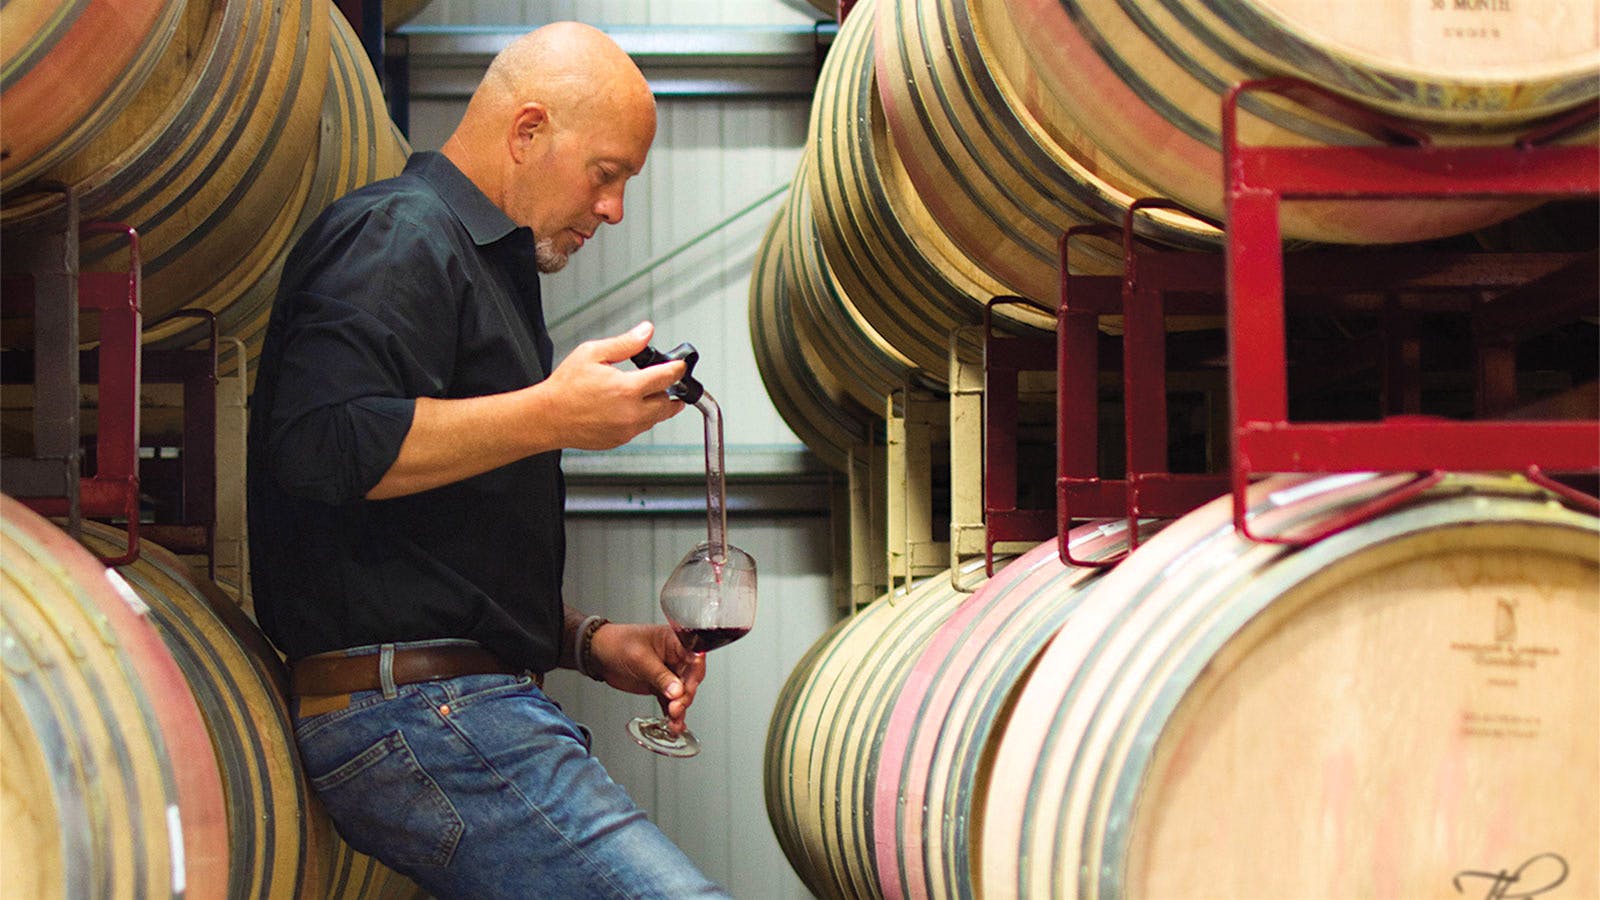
{"x":530,"y":124}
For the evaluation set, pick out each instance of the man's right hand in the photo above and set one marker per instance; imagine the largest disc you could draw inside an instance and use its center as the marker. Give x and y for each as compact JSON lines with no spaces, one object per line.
{"x":600,"y":406}
{"x":587,"y":403}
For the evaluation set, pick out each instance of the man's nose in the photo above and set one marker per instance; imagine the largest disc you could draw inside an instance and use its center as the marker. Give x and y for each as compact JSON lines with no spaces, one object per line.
{"x":609,"y":207}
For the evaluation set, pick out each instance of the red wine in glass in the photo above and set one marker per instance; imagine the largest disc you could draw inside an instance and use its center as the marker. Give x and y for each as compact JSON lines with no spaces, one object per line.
{"x":710,"y":599}
{"x":700,"y":640}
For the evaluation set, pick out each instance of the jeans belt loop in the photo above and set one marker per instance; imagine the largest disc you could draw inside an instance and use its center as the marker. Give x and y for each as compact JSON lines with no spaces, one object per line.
{"x":386,"y":671}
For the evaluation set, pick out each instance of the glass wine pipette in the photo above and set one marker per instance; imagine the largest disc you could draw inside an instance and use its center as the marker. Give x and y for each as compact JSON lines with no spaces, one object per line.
{"x":716,"y":482}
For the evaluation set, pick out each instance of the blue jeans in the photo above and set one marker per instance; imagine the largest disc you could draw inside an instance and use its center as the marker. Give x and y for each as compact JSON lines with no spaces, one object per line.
{"x":480,"y":786}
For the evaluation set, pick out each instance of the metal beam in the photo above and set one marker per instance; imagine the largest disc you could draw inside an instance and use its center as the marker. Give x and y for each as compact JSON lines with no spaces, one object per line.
{"x":446,"y":62}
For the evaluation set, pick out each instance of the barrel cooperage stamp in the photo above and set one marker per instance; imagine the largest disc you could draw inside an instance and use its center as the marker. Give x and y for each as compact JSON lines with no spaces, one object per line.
{"x":1504,"y":656}
{"x":1479,"y":29}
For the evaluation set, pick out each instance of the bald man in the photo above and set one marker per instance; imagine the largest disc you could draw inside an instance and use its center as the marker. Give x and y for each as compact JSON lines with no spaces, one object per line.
{"x":406,"y":496}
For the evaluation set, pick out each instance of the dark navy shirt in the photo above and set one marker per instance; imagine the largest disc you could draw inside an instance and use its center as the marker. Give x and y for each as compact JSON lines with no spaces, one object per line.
{"x":417,"y":286}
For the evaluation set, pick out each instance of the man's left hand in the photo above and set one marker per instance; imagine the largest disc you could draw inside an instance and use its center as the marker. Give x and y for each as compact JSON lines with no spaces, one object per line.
{"x":647,"y":659}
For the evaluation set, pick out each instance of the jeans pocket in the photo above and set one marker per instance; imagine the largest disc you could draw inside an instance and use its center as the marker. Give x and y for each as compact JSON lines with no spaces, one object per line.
{"x":388,"y":806}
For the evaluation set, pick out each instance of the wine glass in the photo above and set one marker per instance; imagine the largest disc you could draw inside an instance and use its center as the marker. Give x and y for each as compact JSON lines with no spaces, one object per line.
{"x":710,"y":601}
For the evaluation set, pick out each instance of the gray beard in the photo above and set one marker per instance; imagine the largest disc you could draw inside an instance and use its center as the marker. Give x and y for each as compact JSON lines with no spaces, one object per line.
{"x":546,"y":257}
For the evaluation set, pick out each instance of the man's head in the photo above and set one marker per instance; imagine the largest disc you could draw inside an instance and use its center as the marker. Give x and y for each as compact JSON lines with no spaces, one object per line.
{"x":560,"y":122}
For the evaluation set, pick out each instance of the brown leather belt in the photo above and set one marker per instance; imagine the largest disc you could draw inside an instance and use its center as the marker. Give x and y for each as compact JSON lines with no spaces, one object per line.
{"x":334,"y":674}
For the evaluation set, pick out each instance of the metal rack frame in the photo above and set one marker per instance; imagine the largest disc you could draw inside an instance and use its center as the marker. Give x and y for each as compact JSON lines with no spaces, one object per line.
{"x":1510,"y":296}
{"x":52,"y":483}
{"x":1407,"y":166}
{"x":1005,"y":357}
{"x":196,"y":371}
{"x":1154,"y":283}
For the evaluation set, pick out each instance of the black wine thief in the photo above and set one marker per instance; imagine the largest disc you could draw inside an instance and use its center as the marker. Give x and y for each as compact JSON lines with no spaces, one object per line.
{"x":687,"y":388}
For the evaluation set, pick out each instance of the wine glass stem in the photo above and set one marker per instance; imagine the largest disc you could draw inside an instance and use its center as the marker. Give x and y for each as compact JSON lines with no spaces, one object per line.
{"x":716,"y":480}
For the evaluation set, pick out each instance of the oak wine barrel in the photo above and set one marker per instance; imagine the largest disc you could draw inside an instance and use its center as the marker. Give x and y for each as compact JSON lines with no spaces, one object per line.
{"x":1019,"y":118}
{"x":210,"y":161}
{"x":1401,"y":709}
{"x":110,"y":787}
{"x":851,"y":353}
{"x":103,"y":49}
{"x":813,"y":407}
{"x":989,"y":158}
{"x":357,"y":144}
{"x":1142,"y":83}
{"x":281,"y":842}
{"x":238,"y":682}
{"x":891,"y":259}
{"x":934,"y":765}
{"x":825,"y":730}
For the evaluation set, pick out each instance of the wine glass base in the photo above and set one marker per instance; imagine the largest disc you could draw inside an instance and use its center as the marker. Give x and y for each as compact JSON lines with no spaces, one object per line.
{"x":653,"y":735}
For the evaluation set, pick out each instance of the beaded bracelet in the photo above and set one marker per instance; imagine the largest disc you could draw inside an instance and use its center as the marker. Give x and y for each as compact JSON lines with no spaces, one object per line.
{"x":580,"y":654}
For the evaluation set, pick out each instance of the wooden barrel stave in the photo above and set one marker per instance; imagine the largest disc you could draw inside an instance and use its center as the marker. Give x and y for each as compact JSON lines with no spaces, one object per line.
{"x":838,"y":700}
{"x":210,"y":161}
{"x":89,"y":667}
{"x":1122,"y":787}
{"x":104,"y":49}
{"x":818,"y":413}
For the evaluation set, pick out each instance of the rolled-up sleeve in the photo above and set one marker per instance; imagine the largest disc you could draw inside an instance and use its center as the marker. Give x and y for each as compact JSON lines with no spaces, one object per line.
{"x":337,"y":426}
{"x":361,"y":342}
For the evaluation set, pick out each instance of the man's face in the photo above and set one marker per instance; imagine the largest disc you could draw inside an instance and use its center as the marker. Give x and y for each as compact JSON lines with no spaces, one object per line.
{"x":573,"y":182}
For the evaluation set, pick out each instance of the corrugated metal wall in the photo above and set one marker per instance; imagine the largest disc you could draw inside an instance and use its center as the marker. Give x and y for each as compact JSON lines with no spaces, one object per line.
{"x":713,"y":157}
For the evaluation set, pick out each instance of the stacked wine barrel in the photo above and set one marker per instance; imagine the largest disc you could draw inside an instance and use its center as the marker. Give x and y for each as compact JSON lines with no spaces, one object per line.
{"x":953,"y":141}
{"x":110,"y":786}
{"x":147,"y":745}
{"x":1402,"y":707}
{"x":216,"y":130}
{"x":1213,"y":715}
{"x":148,"y":749}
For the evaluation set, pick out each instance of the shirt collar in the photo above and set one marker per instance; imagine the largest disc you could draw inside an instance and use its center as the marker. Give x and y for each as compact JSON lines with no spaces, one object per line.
{"x":484,"y":221}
